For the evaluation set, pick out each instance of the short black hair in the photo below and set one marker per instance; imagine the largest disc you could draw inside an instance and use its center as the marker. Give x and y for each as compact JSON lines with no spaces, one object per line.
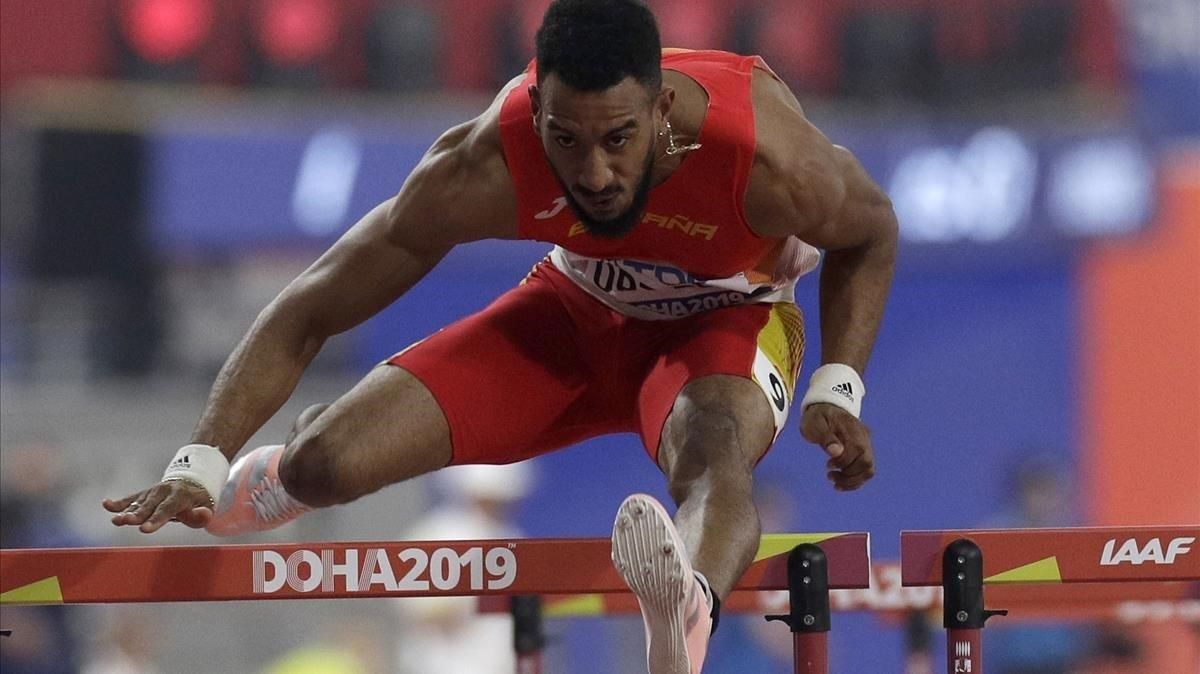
{"x":595,"y":44}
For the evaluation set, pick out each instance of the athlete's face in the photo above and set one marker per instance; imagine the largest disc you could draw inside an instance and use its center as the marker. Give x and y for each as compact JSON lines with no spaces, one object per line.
{"x":602,"y":146}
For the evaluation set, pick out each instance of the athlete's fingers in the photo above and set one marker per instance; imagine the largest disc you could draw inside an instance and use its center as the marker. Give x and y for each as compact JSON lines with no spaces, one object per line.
{"x":857,"y":442}
{"x":847,"y":442}
{"x":167,"y":509}
{"x":856,"y":474}
{"x":117,"y":505}
{"x":844,"y":482}
{"x":861,"y":463}
{"x":137,"y":510}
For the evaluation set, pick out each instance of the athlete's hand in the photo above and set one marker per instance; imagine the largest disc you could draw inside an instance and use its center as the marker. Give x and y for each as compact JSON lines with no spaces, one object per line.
{"x":151,"y":508}
{"x":845,"y":439}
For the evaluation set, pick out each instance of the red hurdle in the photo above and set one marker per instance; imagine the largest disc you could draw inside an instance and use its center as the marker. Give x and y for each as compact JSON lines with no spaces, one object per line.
{"x":487,"y":568}
{"x":962,"y":562}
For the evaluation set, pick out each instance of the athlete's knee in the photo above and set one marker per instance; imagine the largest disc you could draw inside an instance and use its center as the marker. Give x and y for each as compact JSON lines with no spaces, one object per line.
{"x":701,"y":447}
{"x":306,"y":417}
{"x":308,"y":471}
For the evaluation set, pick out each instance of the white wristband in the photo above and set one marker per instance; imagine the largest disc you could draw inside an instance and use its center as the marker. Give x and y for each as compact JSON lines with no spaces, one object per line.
{"x":836,"y":384}
{"x":202,"y":465}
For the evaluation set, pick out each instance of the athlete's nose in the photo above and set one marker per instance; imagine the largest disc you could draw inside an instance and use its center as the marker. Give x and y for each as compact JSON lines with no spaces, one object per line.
{"x":595,"y":174}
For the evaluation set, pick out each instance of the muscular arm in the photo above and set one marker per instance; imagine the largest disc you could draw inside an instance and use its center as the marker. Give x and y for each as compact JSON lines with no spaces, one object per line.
{"x":459,"y":192}
{"x":803,"y":185}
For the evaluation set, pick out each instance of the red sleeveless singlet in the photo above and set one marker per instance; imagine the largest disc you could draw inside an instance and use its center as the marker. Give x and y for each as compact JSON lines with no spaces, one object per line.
{"x":693,"y":220}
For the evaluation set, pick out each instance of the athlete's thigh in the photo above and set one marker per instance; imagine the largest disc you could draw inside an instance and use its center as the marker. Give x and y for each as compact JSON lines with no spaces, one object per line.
{"x":387,"y":428}
{"x":706,"y":406}
{"x":504,"y":376}
{"x":740,"y":363}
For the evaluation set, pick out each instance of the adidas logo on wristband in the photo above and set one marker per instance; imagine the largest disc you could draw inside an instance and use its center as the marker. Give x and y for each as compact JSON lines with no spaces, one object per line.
{"x":202,"y":465}
{"x":836,"y":384}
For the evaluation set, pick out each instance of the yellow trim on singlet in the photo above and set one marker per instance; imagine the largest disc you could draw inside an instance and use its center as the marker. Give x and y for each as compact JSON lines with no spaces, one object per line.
{"x":782,"y":341}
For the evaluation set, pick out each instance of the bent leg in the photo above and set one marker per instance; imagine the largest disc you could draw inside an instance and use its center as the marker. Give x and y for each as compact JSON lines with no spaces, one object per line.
{"x":719,"y":428}
{"x":306,"y":417}
{"x":491,"y":388}
{"x":386,"y":429}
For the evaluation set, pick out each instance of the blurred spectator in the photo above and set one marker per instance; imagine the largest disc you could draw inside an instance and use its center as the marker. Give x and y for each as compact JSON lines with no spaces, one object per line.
{"x":103,"y":173}
{"x":292,"y":43}
{"x":797,"y":39}
{"x":127,"y":643}
{"x":888,"y":53}
{"x":446,"y":635}
{"x":1115,"y":651}
{"x":402,"y":46}
{"x":471,"y":34}
{"x":918,"y":644}
{"x":932,"y":51}
{"x":694,"y":24}
{"x":32,"y":483}
{"x":33,"y":479}
{"x":163,"y":39}
{"x":351,"y":647}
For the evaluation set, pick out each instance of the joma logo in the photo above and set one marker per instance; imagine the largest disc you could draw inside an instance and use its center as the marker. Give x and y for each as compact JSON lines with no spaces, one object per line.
{"x":1130,"y":552}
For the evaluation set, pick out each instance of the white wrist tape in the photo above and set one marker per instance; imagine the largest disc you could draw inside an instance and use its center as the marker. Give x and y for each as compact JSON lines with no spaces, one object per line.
{"x":203,"y":465}
{"x":838,"y":385}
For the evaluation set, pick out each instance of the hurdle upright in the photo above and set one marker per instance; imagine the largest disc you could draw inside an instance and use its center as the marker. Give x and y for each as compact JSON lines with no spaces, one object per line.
{"x":964,"y":561}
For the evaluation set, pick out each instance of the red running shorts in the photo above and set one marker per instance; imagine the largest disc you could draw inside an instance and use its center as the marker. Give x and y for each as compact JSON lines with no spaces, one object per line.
{"x":547,"y":365}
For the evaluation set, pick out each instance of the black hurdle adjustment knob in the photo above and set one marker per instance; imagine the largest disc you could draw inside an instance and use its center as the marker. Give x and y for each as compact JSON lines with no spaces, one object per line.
{"x":808,"y":590}
{"x":962,"y":581}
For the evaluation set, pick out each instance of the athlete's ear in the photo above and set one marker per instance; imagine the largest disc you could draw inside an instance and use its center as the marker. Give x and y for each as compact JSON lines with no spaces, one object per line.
{"x":535,"y":106}
{"x":662,"y":105}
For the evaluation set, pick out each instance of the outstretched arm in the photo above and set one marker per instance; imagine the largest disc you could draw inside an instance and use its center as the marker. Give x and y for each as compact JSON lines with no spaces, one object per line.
{"x":459,"y":192}
{"x":805,"y":186}
{"x":378,"y":260}
{"x":368,"y":268}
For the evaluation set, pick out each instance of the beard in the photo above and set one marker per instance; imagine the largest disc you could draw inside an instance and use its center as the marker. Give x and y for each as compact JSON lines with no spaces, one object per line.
{"x":622,"y":224}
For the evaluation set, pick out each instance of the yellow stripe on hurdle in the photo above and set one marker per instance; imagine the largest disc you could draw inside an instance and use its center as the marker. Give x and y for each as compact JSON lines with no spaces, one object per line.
{"x":45,"y":591}
{"x":777,"y":544}
{"x":1042,"y":571}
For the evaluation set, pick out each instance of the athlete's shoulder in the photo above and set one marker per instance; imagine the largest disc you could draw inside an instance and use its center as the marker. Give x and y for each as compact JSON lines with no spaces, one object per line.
{"x":464,"y":179}
{"x":797,"y":172}
{"x":478,"y":141}
{"x":785,"y":138}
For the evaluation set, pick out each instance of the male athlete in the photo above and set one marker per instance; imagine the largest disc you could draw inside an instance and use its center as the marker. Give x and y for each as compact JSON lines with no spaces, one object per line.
{"x":684,"y":193}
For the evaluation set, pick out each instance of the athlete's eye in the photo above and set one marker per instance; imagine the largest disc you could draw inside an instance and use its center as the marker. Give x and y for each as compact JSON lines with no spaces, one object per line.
{"x":565,"y":141}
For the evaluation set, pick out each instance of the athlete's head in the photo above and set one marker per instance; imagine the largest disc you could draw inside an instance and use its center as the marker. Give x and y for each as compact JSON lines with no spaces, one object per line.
{"x":599,"y":106}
